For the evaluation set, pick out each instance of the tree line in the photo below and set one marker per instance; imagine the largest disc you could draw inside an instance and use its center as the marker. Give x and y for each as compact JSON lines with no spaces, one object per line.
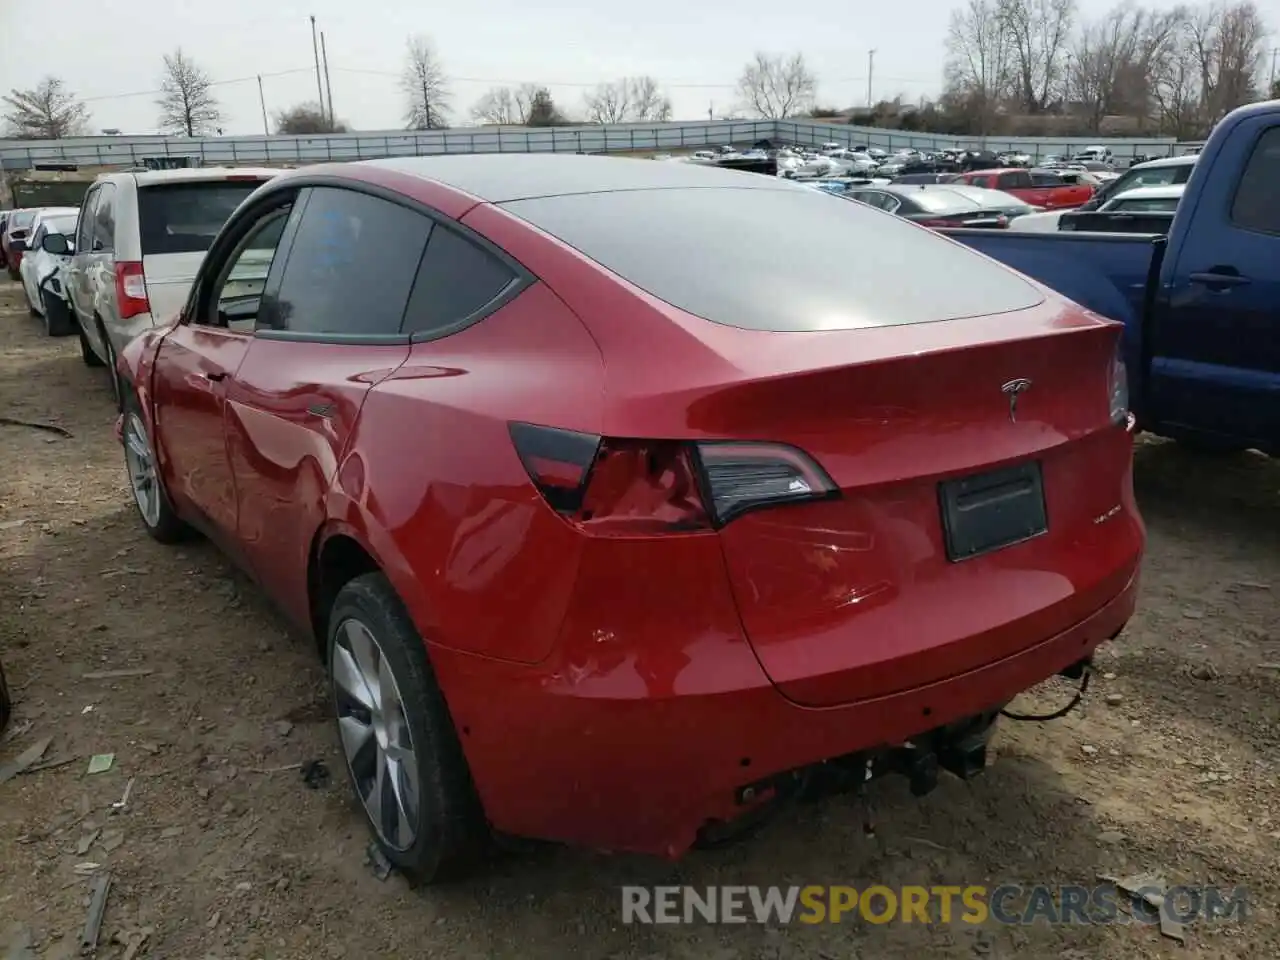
{"x":1019,"y":67}
{"x":1169,"y":71}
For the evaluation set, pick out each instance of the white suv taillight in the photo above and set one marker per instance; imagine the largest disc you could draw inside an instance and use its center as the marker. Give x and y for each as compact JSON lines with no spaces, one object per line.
{"x":1118,"y":383}
{"x":131,"y":289}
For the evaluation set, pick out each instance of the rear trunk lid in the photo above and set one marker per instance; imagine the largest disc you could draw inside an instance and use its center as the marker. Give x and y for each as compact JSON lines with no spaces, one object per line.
{"x":982,"y":509}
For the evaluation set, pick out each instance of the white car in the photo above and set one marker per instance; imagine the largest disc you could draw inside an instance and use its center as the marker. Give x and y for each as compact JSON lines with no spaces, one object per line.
{"x":48,"y":252}
{"x":1161,"y":199}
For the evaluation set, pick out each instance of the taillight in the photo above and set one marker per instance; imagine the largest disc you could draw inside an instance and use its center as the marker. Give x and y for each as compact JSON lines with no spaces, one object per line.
{"x":630,"y":487}
{"x":1118,"y":388}
{"x":1002,"y":221}
{"x":935,"y":223}
{"x":131,"y":289}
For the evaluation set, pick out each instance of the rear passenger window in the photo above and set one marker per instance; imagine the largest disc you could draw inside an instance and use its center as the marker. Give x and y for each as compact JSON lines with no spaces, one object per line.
{"x":457,"y":279}
{"x":1257,"y":203}
{"x":351,"y":266}
{"x":104,"y":220}
{"x":84,"y":226}
{"x":1015,"y":181}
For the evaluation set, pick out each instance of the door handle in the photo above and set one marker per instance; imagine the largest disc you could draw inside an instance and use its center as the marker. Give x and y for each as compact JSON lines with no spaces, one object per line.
{"x":1218,"y":281}
{"x":217,"y":376}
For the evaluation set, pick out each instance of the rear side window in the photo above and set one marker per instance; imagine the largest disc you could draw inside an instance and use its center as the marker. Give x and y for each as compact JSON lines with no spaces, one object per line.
{"x":185,"y":217}
{"x":686,"y":247}
{"x":1257,"y":203}
{"x":351,"y":266}
{"x":104,"y":219}
{"x":457,"y":280}
{"x":1045,"y":179}
{"x":1146,"y":205}
{"x":84,"y":229}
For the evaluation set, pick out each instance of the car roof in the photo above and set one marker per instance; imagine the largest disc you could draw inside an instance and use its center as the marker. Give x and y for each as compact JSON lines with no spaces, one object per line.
{"x":1168,"y":191}
{"x":983,"y":173}
{"x":985,"y":194}
{"x":1166,"y":162}
{"x":501,"y":178}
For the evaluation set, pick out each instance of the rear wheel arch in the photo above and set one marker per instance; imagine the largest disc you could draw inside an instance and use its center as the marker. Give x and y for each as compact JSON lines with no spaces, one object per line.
{"x":336,"y":558}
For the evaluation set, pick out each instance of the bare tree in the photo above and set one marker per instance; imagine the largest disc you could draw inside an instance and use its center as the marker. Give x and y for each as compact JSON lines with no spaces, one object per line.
{"x":1175,"y":86}
{"x":186,"y":103}
{"x":1229,"y":48}
{"x":307,"y":118}
{"x":1037,"y":32}
{"x":637,"y":99}
{"x":648,"y":103}
{"x":609,"y":102}
{"x":979,"y":56}
{"x":497,"y":105}
{"x":47,"y":112}
{"x":525,"y":95}
{"x":775,"y":87}
{"x":426,"y":86}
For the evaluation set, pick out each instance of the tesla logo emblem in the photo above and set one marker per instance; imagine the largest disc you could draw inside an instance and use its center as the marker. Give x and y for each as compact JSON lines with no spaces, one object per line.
{"x":1012,"y":390}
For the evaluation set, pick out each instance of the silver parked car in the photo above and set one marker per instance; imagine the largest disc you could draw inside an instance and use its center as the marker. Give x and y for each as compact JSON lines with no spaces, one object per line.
{"x":139,"y":241}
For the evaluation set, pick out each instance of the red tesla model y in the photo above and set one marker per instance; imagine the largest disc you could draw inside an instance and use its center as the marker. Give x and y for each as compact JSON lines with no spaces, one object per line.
{"x":623,"y":501}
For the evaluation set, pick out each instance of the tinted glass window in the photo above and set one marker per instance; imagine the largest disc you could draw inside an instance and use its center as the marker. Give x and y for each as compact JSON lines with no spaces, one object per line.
{"x":1145,"y":205}
{"x":671,"y":243}
{"x":185,"y":217}
{"x":243,"y":277}
{"x":1045,"y":179}
{"x":84,"y":229}
{"x":351,"y":266}
{"x":1257,"y":203}
{"x":457,"y":278}
{"x":104,"y":219}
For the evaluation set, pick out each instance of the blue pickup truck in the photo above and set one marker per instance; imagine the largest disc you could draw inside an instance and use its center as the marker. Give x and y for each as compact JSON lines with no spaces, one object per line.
{"x":1201,"y":306}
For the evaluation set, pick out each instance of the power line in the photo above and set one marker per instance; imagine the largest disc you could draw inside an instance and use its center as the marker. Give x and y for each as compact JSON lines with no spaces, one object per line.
{"x":213,"y":83}
{"x":495,"y":81}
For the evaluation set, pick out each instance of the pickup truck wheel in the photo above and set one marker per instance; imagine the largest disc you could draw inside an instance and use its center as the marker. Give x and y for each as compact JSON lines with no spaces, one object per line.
{"x":404,"y":760}
{"x":149,"y":495}
{"x":90,"y":358}
{"x":57,"y":315}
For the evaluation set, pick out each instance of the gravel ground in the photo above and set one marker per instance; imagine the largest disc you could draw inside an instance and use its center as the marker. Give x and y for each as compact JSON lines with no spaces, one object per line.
{"x":1170,"y":766}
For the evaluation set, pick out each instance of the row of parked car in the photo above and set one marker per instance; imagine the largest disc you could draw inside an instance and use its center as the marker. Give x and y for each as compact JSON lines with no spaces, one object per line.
{"x":126,"y":257}
{"x":419,"y":398}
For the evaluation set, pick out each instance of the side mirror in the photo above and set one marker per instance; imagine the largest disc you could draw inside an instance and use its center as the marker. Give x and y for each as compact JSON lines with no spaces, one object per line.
{"x":56,"y":244}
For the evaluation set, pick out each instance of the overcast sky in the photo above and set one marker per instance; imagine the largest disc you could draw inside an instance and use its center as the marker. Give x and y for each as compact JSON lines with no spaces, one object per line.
{"x":110,"y":55}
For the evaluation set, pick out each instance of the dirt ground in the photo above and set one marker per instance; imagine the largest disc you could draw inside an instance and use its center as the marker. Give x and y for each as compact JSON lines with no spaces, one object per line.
{"x":1169,"y":767}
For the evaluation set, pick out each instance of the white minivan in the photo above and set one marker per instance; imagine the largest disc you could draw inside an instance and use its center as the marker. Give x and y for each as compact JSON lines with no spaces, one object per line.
{"x":140,"y":239}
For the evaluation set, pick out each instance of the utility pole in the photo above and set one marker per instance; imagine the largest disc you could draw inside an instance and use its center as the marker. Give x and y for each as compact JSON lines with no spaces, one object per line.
{"x":1275,"y":52}
{"x":315,"y":49}
{"x":711,"y":110}
{"x":262,"y":100}
{"x":328,"y":89}
{"x":871,"y":66}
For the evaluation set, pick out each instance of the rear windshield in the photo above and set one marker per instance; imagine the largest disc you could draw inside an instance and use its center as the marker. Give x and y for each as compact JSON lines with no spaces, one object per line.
{"x":785,"y":259}
{"x":21,"y":220}
{"x":185,"y":217}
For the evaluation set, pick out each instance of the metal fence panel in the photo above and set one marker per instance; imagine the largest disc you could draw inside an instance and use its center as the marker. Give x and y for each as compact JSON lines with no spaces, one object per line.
{"x":130,"y":151}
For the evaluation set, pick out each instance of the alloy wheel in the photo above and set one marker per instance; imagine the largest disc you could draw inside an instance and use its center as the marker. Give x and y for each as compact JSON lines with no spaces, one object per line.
{"x":143,"y":478}
{"x":375,"y":734}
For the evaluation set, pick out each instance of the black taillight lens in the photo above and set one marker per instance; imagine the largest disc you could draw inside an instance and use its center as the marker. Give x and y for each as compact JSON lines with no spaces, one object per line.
{"x":746,"y":476}
{"x":558,"y":462}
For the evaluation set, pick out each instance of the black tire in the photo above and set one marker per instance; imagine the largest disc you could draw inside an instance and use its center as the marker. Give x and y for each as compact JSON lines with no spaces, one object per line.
{"x":167,"y":526}
{"x":451,"y":834}
{"x":57,"y":315}
{"x":90,"y":358}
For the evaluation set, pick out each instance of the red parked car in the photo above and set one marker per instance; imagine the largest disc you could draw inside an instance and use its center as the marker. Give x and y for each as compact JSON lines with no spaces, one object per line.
{"x":1050,"y":190}
{"x":614,"y":526}
{"x":13,"y":238}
